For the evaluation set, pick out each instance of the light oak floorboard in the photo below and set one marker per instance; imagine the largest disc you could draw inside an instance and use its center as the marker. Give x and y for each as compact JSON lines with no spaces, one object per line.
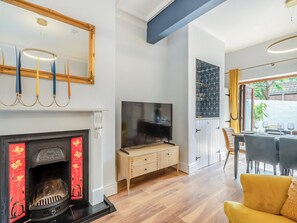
{"x":178,"y":199}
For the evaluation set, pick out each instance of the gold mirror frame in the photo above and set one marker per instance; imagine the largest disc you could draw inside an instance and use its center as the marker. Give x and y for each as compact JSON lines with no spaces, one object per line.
{"x":11,"y":70}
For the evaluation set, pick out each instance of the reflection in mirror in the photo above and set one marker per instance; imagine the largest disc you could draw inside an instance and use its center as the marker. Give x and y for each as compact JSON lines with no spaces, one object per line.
{"x":40,"y":36}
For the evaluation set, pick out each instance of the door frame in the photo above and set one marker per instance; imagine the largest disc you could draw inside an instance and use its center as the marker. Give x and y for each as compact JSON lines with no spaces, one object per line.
{"x":242,"y":106}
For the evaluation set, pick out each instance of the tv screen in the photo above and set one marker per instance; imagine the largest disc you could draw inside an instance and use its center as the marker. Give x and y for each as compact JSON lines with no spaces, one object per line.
{"x":145,"y":123}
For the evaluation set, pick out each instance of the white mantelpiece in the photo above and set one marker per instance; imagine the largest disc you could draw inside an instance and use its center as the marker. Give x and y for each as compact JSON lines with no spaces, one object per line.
{"x":33,"y":120}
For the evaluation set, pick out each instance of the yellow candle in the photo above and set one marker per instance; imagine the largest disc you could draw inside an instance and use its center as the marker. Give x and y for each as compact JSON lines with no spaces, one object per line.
{"x":37,"y":77}
{"x":69,"y":91}
{"x":2,"y":57}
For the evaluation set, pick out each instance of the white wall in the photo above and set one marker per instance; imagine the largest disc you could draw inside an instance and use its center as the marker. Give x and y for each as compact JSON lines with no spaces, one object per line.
{"x":177,"y":64}
{"x":153,"y":73}
{"x":257,"y":55}
{"x":141,"y":71}
{"x":202,"y":46}
{"x":100,"y":13}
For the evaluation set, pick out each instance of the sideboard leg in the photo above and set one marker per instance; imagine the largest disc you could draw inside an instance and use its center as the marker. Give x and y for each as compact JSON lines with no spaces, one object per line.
{"x":128,"y":185}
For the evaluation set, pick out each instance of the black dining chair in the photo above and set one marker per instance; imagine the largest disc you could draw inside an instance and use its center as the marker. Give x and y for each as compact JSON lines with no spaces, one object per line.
{"x":261,"y":149}
{"x":288,"y":155}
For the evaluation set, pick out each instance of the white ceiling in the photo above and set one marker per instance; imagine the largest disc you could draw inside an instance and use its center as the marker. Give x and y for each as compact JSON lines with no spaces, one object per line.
{"x":238,"y":23}
{"x":242,"y":23}
{"x":143,"y":9}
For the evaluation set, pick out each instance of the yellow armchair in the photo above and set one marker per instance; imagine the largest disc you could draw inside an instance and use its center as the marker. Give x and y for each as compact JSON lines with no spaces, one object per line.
{"x":263,"y":198}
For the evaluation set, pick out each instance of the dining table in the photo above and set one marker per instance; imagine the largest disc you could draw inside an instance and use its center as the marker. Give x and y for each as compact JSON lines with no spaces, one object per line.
{"x":239,"y":137}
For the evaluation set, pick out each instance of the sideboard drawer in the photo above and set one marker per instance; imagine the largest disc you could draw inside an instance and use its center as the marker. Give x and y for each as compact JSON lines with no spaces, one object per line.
{"x":168,"y":158}
{"x":144,"y":159}
{"x":173,"y":157}
{"x":143,"y":169}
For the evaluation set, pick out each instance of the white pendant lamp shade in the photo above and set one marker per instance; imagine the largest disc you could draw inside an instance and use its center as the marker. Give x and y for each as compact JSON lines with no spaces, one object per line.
{"x":286,"y":45}
{"x":39,"y":54}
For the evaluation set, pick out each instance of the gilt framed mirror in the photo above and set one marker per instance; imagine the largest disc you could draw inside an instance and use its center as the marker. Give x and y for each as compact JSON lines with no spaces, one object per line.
{"x":39,"y":32}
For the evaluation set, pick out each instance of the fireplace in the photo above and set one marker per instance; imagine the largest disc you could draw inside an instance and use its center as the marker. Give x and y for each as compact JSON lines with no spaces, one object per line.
{"x":43,"y":174}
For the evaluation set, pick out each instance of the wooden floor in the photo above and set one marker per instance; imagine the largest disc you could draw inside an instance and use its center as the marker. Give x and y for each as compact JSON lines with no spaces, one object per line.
{"x":175,"y":199}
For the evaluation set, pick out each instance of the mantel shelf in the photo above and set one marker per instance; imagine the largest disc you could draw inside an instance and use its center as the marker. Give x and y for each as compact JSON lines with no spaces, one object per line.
{"x":39,"y":109}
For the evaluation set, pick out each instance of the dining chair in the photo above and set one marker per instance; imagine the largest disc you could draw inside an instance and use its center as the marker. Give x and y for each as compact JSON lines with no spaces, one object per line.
{"x":261,"y":148}
{"x":288,"y":155}
{"x":229,"y":140}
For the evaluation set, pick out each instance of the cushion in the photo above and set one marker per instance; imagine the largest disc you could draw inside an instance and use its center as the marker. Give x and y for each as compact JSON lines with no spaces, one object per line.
{"x":238,"y":213}
{"x":265,"y":193}
{"x":289,"y":209}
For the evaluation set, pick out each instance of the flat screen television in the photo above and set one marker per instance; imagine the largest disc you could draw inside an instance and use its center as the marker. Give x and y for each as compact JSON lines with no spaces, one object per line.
{"x":145,"y":123}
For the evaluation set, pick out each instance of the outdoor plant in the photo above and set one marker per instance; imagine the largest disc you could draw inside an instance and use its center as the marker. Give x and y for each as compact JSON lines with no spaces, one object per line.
{"x":262,"y":94}
{"x":260,"y":111}
{"x":261,"y":91}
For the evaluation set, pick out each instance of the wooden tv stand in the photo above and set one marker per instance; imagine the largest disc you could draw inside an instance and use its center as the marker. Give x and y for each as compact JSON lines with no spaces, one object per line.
{"x":145,"y":160}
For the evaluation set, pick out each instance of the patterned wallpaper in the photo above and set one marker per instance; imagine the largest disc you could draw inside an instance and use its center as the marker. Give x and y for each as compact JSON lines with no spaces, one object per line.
{"x":207,"y":90}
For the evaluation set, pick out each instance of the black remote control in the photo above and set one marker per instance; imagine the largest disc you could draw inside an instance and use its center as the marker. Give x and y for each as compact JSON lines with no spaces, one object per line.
{"x":170,"y":143}
{"x":124,"y":150}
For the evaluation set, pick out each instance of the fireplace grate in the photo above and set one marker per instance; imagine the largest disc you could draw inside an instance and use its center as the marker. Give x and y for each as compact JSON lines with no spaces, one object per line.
{"x":48,"y":200}
{"x":49,"y":192}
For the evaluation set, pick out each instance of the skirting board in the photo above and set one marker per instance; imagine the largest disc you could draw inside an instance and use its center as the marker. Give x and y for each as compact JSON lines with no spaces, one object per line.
{"x":223,"y":155}
{"x":188,"y":168}
{"x":111,"y":189}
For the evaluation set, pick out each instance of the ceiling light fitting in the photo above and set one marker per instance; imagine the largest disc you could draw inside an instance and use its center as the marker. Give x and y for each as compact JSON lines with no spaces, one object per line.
{"x":39,"y":54}
{"x":41,"y":21}
{"x":288,"y":44}
{"x":283,"y":45}
{"x":290,"y":3}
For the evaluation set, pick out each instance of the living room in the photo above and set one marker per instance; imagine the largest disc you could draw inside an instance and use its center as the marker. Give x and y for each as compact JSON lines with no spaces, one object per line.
{"x":128,"y":68}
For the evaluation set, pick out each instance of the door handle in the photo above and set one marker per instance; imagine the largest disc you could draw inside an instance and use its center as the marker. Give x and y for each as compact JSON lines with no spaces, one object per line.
{"x":198,"y":130}
{"x":218,"y":127}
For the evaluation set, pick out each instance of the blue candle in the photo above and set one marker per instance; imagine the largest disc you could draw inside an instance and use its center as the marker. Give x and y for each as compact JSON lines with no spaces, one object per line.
{"x":18,"y":87}
{"x":54,"y":78}
{"x":20,"y":82}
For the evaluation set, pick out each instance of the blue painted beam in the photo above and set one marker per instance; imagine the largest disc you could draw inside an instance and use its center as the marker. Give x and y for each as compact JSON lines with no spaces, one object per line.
{"x":176,"y":15}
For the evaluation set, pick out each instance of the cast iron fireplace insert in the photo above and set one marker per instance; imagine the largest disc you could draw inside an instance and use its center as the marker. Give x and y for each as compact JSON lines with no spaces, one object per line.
{"x":48,"y":190}
{"x":42,"y":174}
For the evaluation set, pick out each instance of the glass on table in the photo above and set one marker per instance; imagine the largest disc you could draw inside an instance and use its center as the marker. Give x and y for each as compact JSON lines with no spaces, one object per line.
{"x":291,"y":127}
{"x":265,"y":125}
{"x":280,"y":126}
{"x":256,"y":125}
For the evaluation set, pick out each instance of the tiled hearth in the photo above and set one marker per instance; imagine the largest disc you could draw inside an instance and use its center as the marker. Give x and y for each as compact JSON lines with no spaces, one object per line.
{"x":51,"y":176}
